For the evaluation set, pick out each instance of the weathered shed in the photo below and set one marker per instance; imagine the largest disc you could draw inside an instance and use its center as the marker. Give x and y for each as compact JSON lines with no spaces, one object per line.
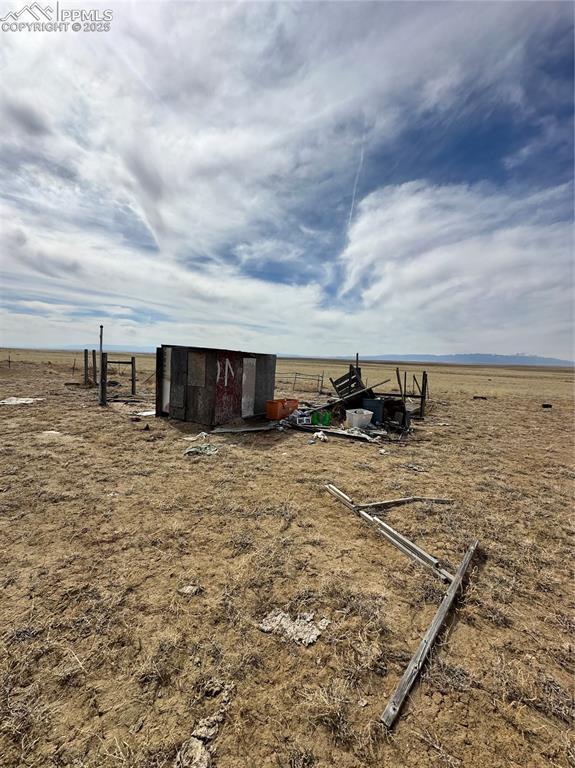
{"x":212,"y":386}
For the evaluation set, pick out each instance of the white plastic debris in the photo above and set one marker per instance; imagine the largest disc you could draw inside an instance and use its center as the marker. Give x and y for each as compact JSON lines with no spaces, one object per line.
{"x":205,"y":449}
{"x":193,"y":754}
{"x":146,"y":413}
{"x":193,"y":438}
{"x":190,"y":590}
{"x":300,"y":630}
{"x":20,"y":400}
{"x":320,"y":436}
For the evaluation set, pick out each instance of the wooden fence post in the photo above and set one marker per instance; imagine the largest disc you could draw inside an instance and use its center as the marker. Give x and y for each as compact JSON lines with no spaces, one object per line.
{"x":423,"y":393}
{"x":85,"y":367}
{"x":104,"y":378}
{"x":133,"y":360}
{"x":94,"y":369}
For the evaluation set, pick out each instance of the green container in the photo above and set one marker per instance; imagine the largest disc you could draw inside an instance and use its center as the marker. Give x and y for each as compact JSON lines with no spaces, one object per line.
{"x":321,"y":419}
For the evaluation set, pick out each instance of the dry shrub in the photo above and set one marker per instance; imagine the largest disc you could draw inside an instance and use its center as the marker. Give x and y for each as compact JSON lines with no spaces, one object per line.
{"x":23,"y":715}
{"x":298,"y":757}
{"x":525,"y":682}
{"x":162,"y":666}
{"x":328,"y":706}
{"x":242,"y":542}
{"x":432,"y":740}
{"x":446,"y":677}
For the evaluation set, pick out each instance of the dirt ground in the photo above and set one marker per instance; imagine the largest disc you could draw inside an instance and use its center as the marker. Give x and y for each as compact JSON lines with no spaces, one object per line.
{"x":104,"y":663}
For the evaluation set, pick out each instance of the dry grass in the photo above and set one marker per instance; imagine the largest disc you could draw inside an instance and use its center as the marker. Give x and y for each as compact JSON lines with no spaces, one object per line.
{"x":104,"y":663}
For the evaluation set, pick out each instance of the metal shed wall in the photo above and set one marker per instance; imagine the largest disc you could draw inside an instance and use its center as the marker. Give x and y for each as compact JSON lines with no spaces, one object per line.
{"x":212,"y":386}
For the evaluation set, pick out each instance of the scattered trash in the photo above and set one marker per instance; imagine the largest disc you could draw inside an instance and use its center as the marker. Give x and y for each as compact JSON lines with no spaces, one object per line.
{"x":320,"y":436}
{"x":358,"y":417}
{"x":351,"y":434}
{"x":546,"y":405}
{"x":267,"y":427}
{"x":146,"y":413}
{"x":279,"y":409}
{"x":193,"y":438}
{"x":301,"y":630}
{"x":20,"y":400}
{"x":383,"y":452}
{"x":320,"y":419}
{"x":362,"y":703}
{"x":190,"y":590}
{"x":415,"y":468}
{"x":205,"y":449}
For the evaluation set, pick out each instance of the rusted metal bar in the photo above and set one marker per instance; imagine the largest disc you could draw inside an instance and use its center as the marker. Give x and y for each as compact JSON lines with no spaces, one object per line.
{"x":394,"y":537}
{"x":413,"y":669}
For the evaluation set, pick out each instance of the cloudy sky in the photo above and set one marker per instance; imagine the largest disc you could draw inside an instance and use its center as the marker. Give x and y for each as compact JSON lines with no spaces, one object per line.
{"x":312,"y":178}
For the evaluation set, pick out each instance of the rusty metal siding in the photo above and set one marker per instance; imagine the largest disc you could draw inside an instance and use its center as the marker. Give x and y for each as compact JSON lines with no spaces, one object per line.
{"x":228,"y":386}
{"x":206,"y":385}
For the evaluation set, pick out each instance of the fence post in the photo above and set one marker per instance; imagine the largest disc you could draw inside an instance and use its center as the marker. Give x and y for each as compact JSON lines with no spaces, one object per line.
{"x":104,"y":378}
{"x":133,"y":359}
{"x":94,"y":369}
{"x":423,"y":393}
{"x":85,"y":367}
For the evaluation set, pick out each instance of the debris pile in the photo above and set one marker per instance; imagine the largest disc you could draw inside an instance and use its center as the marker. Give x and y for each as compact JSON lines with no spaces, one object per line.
{"x":360,"y":412}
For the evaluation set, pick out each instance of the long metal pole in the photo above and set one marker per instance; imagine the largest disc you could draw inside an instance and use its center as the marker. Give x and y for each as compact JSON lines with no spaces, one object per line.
{"x":402,"y":543}
{"x":418,"y":659}
{"x":102,"y":393}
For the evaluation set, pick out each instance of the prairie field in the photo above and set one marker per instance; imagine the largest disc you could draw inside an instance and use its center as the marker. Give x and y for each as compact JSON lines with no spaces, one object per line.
{"x":106,"y":659}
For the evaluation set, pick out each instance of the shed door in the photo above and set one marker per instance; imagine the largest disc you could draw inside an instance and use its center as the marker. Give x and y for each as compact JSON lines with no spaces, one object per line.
{"x":248,"y":386}
{"x":179,"y":375}
{"x":228,"y":387}
{"x":166,"y":374}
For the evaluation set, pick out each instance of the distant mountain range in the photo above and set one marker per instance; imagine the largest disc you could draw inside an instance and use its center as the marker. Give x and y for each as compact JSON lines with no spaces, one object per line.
{"x":462,"y":359}
{"x":465,"y":359}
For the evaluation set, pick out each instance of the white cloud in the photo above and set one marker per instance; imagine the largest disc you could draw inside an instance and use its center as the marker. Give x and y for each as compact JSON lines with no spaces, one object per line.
{"x":147,"y":172}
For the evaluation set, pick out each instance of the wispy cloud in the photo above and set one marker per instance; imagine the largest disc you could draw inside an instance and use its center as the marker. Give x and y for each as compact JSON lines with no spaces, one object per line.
{"x":200,"y":190}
